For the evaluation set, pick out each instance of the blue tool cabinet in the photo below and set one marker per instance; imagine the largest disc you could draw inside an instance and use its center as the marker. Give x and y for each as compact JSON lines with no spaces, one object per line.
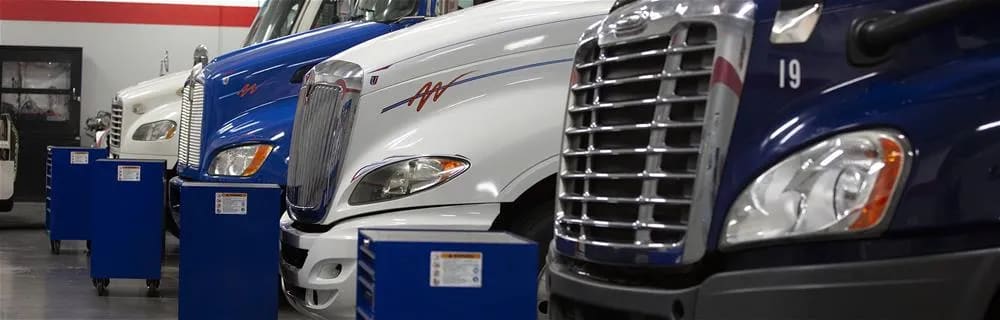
{"x":229,"y":253}
{"x":415,"y":275}
{"x":68,"y":193}
{"x":127,"y":234}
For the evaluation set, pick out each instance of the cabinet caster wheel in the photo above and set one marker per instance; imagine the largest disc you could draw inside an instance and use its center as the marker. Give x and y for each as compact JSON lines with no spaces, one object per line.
{"x":152,"y":288}
{"x":102,"y":286}
{"x":55,"y":246}
{"x":88,"y":248}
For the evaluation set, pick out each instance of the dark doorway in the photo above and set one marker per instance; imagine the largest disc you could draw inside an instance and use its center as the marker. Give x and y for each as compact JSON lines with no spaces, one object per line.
{"x":40,"y":86}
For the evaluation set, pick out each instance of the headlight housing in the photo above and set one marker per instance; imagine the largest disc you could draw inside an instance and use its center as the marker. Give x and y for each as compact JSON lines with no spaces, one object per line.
{"x":242,"y":161}
{"x":403,"y":178}
{"x":156,"y":130}
{"x":844,"y":184}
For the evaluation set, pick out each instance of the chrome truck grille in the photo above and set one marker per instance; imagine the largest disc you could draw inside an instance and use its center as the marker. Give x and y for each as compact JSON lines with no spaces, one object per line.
{"x":646,"y":130}
{"x":189,"y":135}
{"x":117,"y":117}
{"x":324,"y":119}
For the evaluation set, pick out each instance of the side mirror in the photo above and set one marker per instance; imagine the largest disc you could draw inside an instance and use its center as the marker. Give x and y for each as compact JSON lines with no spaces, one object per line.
{"x":201,"y":55}
{"x":870,"y":40}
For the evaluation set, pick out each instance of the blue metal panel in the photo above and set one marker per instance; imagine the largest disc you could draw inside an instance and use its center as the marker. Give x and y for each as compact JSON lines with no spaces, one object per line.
{"x":943,"y":99}
{"x":68,"y":191}
{"x":229,"y":257}
{"x":127,"y":237}
{"x":399,"y":264}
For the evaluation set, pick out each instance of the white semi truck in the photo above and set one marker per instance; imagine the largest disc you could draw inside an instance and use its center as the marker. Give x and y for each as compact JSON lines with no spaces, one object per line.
{"x":8,"y":161}
{"x":153,"y":106}
{"x":450,"y":124}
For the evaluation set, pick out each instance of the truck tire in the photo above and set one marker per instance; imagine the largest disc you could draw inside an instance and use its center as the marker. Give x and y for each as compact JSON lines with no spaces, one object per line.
{"x":993,"y":312}
{"x":536,"y":223}
{"x":171,"y":225}
{"x":6,"y":205}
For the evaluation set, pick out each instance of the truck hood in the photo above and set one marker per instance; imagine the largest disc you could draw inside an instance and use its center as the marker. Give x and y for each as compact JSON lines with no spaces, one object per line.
{"x":147,"y":96}
{"x":499,"y":92}
{"x":253,"y":76}
{"x":404,"y":54}
{"x":165,"y":85}
{"x":261,"y":74}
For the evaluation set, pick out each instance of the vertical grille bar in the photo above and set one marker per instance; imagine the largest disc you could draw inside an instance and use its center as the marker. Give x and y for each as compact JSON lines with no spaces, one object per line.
{"x":189,"y":137}
{"x":117,"y":114}
{"x":633,"y":142}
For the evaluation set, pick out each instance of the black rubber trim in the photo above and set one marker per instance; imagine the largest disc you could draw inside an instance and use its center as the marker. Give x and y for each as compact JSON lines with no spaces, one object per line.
{"x":946,"y":286}
{"x":323,"y":228}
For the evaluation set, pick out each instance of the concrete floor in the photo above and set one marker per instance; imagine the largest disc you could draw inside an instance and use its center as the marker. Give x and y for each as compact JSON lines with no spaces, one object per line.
{"x":35,"y":284}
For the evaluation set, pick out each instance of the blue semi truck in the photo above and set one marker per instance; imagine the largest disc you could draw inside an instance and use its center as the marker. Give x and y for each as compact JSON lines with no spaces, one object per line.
{"x":782,"y":159}
{"x":237,"y":111}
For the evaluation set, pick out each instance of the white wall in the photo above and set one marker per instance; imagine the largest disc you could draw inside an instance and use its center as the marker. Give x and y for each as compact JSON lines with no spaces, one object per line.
{"x":116,"y":56}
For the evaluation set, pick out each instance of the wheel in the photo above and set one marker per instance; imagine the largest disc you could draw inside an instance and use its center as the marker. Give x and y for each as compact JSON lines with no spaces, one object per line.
{"x":152,"y":288}
{"x":55,"y":246}
{"x":993,"y":312}
{"x":171,"y":224}
{"x":102,"y":286}
{"x":6,"y":205}
{"x":542,"y":299}
{"x":536,"y":223}
{"x":94,"y":281}
{"x":88,"y":247}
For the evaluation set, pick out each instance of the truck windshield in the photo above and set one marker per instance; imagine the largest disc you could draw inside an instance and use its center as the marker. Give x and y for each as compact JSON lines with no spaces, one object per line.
{"x":276,"y":18}
{"x":383,"y":10}
{"x":330,"y":12}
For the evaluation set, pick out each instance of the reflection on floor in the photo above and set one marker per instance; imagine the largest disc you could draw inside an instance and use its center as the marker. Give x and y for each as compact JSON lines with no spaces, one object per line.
{"x":35,"y":284}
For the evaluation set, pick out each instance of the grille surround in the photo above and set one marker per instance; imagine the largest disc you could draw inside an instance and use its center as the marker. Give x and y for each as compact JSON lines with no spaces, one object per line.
{"x":321,"y":133}
{"x":641,"y":192}
{"x":191,"y":120}
{"x":117,"y":118}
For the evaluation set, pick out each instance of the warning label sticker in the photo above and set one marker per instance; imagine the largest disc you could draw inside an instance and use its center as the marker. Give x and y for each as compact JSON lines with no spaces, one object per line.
{"x":456,"y":269}
{"x":79,"y":157}
{"x":230,"y":203}
{"x":4,"y":144}
{"x":129,"y":173}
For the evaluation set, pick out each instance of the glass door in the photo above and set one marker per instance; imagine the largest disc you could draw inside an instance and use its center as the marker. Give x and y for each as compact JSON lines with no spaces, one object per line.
{"x":40,"y":89}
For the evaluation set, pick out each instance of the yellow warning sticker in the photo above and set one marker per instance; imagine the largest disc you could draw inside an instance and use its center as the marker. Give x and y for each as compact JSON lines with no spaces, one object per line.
{"x":456,"y":269}
{"x":231,"y":203}
{"x":129,"y":173}
{"x":79,"y":157}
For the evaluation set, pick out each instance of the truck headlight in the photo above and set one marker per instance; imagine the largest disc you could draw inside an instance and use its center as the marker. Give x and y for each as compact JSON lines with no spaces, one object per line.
{"x":154,"y":131}
{"x":242,"y":161}
{"x":844,"y":184}
{"x":406,"y":177}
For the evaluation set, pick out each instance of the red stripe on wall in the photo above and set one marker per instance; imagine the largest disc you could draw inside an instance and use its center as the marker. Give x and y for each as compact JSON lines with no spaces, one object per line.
{"x":122,"y":12}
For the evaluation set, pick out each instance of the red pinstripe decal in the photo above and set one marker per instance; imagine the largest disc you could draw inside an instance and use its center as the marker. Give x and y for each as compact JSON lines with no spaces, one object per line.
{"x":724,"y":73}
{"x":123,"y":12}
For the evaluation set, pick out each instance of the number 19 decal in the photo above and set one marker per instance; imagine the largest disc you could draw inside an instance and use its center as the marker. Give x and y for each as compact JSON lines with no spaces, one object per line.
{"x":789,"y":73}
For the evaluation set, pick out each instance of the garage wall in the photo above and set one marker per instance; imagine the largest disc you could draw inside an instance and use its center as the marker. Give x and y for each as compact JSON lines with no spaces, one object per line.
{"x":124,"y":40}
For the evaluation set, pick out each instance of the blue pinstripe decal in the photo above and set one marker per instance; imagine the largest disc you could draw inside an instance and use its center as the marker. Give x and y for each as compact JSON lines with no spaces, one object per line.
{"x":527,"y":66}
